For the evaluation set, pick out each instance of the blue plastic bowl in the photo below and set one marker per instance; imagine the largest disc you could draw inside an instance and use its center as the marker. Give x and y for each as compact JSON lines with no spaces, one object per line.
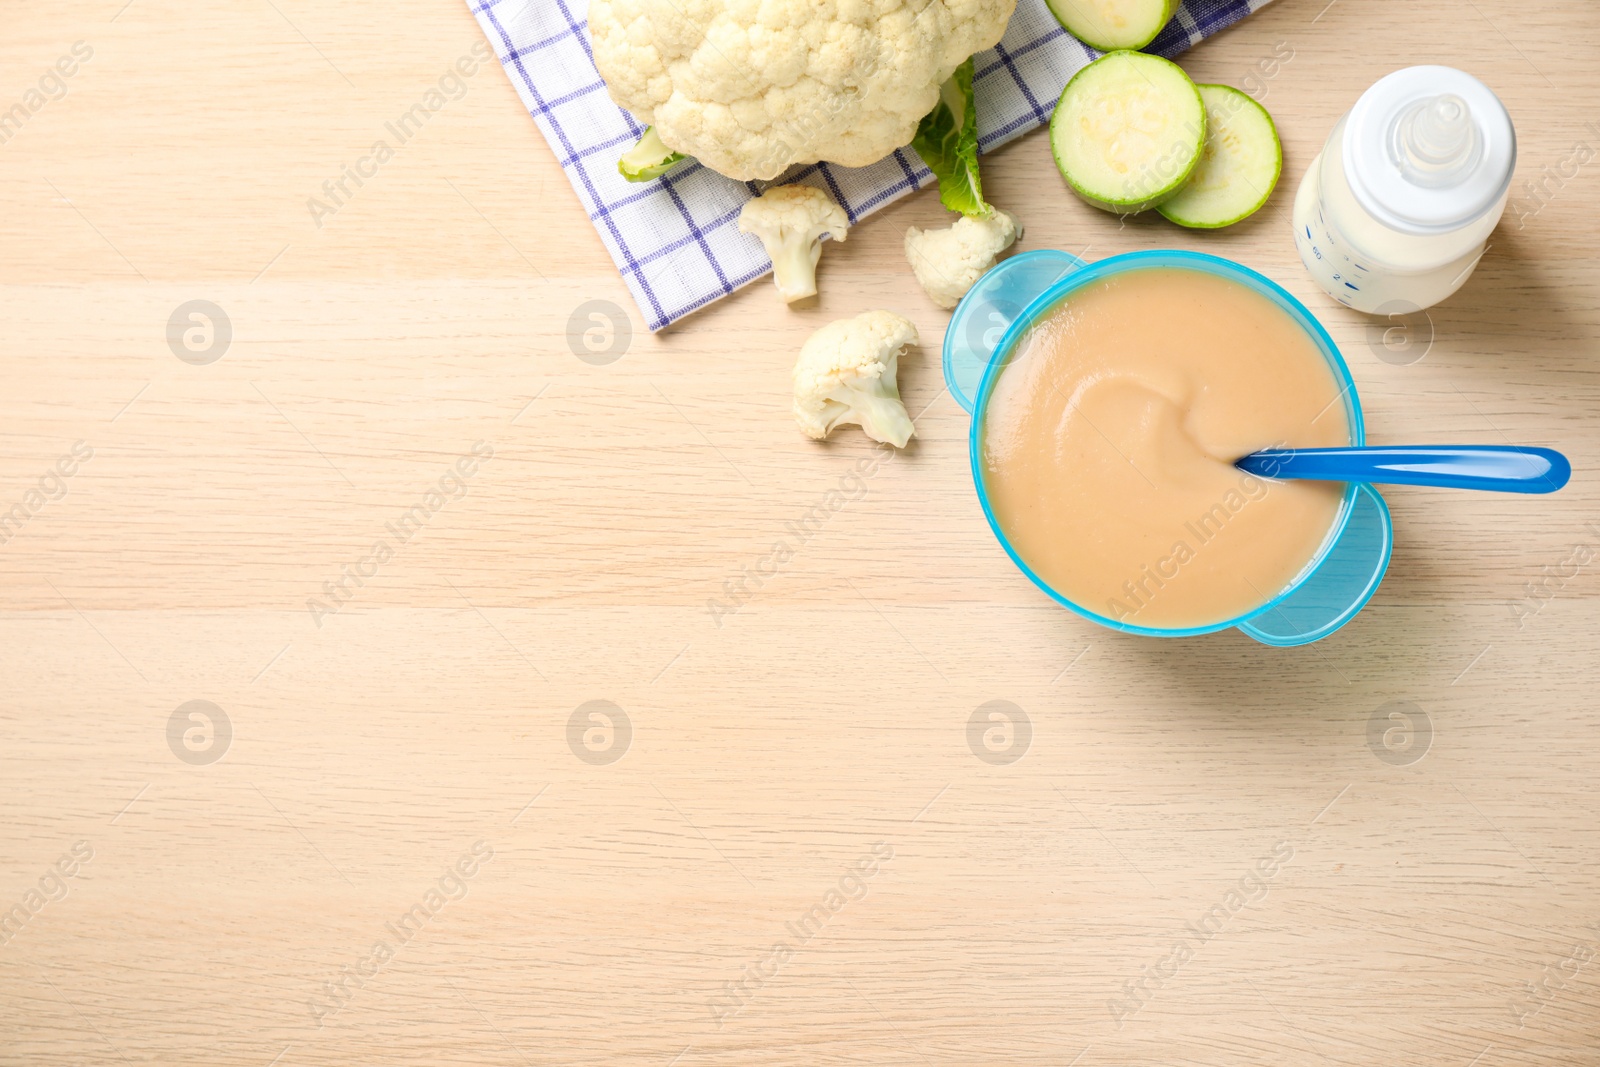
{"x":1008,"y":301}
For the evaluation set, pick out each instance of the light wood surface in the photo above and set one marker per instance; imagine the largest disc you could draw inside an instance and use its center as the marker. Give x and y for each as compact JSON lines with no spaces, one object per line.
{"x":1433,"y":910}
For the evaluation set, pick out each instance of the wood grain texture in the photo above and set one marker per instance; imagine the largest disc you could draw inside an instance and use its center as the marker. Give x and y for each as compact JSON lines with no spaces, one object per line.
{"x":1437,"y":911}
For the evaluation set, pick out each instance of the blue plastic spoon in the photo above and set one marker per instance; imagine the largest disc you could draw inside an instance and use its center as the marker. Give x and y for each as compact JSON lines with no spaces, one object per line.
{"x":1502,"y":468}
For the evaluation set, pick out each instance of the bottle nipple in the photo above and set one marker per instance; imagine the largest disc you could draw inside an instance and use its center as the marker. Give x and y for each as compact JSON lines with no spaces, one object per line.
{"x":1435,"y":143}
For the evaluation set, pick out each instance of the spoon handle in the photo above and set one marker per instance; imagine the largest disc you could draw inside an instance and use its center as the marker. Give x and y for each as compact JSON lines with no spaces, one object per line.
{"x":1502,"y":468}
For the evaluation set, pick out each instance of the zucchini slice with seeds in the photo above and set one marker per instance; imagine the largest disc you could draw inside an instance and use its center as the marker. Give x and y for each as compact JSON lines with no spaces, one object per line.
{"x":1128,"y":131}
{"x":1109,"y":25}
{"x":1239,"y":167}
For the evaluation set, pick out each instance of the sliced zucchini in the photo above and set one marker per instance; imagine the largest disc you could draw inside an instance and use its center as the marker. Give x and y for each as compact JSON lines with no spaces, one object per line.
{"x":1239,"y":167}
{"x":1109,"y":25}
{"x":648,"y":159}
{"x":1128,"y":131}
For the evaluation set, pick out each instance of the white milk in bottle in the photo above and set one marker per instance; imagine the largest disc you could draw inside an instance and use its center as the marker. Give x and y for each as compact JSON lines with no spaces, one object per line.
{"x":1395,"y":212}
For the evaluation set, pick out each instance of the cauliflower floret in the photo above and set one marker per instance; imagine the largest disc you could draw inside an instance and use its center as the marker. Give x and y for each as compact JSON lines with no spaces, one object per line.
{"x":749,"y":88}
{"x":948,"y":262}
{"x":790,"y":220}
{"x":845,"y":374}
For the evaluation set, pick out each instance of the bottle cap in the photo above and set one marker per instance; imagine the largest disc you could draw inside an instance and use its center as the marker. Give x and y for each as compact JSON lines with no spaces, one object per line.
{"x":1429,"y":149}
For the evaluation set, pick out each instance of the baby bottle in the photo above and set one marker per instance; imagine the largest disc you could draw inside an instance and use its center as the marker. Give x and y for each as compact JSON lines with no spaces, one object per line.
{"x":1395,"y":212}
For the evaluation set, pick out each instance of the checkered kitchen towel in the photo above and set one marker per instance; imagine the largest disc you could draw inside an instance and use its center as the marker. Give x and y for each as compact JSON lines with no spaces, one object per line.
{"x":676,"y":240}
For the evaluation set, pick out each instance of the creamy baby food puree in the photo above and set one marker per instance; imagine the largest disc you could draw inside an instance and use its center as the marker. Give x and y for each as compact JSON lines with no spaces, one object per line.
{"x":1109,"y":442}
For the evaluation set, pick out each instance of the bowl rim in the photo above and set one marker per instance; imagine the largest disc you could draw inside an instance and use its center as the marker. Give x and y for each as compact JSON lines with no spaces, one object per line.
{"x":1205,"y":263}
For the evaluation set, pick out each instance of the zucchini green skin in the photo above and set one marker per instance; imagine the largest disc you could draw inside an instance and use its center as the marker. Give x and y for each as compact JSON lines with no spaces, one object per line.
{"x":1145,"y":201}
{"x":1087,"y":34}
{"x":1180,"y":210}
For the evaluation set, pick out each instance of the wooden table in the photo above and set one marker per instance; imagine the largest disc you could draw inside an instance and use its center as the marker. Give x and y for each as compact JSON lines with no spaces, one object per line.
{"x":779,"y":842}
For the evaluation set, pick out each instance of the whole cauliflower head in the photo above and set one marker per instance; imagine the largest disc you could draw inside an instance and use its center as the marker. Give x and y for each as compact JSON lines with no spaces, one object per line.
{"x":949,"y":262}
{"x":846,"y":374}
{"x":750,"y":87}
